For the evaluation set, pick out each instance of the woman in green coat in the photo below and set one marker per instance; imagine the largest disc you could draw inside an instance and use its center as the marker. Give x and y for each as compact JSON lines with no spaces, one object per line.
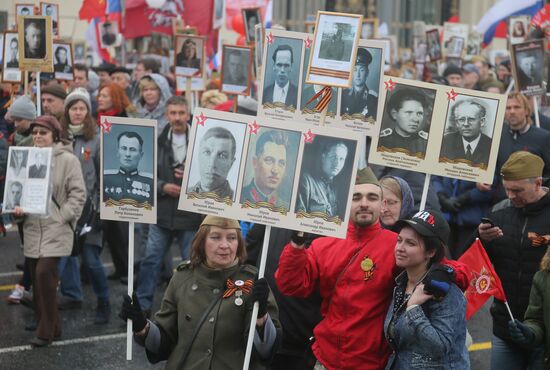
{"x":205,"y":314}
{"x":535,"y":327}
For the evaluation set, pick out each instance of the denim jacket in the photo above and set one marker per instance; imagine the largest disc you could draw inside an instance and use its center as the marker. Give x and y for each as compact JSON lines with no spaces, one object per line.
{"x":429,"y":336}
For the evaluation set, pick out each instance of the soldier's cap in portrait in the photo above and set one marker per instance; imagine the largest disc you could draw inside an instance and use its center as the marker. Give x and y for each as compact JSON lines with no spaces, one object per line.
{"x":522,"y":165}
{"x":224,"y":223}
{"x":364,"y":57}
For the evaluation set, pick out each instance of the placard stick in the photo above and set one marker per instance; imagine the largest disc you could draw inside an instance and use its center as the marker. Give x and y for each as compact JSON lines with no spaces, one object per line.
{"x":425,"y":191}
{"x":188,"y":90}
{"x":323,"y":116}
{"x":510,"y":86}
{"x":536,"y":109}
{"x":26,"y":83}
{"x":129,"y":333}
{"x":261,"y":272}
{"x":235,"y":103}
{"x":38,"y":99}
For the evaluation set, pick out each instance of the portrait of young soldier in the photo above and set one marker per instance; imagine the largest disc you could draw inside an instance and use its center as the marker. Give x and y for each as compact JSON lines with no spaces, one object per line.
{"x":273,"y":161}
{"x":127,"y":182}
{"x":359,"y":99}
{"x":468,"y":142}
{"x":407,"y":109}
{"x":281,"y":64}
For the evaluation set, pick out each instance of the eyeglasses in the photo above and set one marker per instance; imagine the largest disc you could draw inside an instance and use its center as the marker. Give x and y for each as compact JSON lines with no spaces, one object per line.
{"x":40,"y":132}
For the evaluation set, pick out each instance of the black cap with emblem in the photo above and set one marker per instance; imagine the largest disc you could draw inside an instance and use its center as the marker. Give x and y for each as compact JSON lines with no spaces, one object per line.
{"x":427,"y":223}
{"x":363,"y":57}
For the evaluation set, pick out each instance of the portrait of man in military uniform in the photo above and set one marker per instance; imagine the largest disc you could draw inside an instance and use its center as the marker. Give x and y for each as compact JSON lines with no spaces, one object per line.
{"x":127,"y":184}
{"x":272,"y":167}
{"x":359,"y":99}
{"x":407,"y":109}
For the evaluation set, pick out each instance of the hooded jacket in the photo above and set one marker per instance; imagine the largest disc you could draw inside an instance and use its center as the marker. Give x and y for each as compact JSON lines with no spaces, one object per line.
{"x":51,"y":235}
{"x":158,"y":112}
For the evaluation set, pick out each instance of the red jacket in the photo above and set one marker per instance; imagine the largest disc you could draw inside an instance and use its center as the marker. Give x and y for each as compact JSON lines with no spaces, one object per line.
{"x":355,"y":301}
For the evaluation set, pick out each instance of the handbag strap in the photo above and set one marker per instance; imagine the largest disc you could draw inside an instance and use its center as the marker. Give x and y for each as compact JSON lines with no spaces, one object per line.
{"x":59,"y":207}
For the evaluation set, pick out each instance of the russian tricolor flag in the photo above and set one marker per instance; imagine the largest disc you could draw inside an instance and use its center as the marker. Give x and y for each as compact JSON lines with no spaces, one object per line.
{"x":501,"y":11}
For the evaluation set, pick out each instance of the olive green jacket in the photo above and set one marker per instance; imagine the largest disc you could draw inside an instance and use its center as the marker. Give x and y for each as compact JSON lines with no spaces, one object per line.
{"x":537,"y":316}
{"x":221,"y":341}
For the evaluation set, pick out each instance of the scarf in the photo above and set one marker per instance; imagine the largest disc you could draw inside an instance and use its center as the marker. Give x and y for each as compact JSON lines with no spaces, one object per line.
{"x":76,"y":130}
{"x":110,"y":112}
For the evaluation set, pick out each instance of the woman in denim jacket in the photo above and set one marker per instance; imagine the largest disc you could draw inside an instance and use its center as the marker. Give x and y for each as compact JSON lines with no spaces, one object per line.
{"x":426,"y":323}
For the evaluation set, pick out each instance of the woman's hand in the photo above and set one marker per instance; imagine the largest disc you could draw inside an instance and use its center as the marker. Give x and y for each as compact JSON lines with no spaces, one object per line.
{"x":418,"y":296}
{"x":18,"y":212}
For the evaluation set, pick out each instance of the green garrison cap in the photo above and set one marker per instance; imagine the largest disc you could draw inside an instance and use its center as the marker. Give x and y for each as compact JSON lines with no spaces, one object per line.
{"x":522,"y":165}
{"x":366,"y":176}
{"x":224,"y":223}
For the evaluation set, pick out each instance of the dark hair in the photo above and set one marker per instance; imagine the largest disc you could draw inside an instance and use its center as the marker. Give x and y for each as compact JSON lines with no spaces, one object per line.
{"x":198,"y":255}
{"x":90,"y":127}
{"x":150,"y":65}
{"x":405,"y":94}
{"x":271,"y":136}
{"x":432,"y":243}
{"x":14,"y":40}
{"x":221,"y":133}
{"x":16,"y":183}
{"x":176,"y":100}
{"x":283,"y":48}
{"x":60,"y":48}
{"x":81,"y":67}
{"x":233,"y":52}
{"x":187,"y":42}
{"x":131,"y":134}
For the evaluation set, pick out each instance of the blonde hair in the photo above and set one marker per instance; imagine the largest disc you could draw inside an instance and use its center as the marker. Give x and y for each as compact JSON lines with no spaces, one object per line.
{"x":523,"y":101}
{"x":213,"y":97}
{"x":392,"y":185}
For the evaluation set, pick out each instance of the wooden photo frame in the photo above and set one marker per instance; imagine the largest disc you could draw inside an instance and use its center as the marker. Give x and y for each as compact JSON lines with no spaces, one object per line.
{"x":11,"y":71}
{"x":63,"y":69}
{"x":528,"y":67}
{"x":185,"y":65}
{"x":51,"y":10}
{"x":38,"y":55}
{"x":518,"y":28}
{"x":251,"y":17}
{"x":236,"y":76}
{"x":434,"y":45}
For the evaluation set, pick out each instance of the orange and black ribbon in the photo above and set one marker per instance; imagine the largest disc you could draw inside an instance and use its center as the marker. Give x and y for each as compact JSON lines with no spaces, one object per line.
{"x":232,"y":288}
{"x":326,"y":95}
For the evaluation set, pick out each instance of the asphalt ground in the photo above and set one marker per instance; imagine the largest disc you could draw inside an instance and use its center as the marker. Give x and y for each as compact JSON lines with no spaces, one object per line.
{"x":84,"y":345}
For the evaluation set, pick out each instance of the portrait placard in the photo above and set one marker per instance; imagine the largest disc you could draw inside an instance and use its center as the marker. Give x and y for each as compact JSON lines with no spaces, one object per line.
{"x":236,"y":69}
{"x":128,"y":186}
{"x":473,"y":46}
{"x":434,"y":45}
{"x":455,"y":39}
{"x":63,"y":61}
{"x":79,"y":51}
{"x":528,"y":67}
{"x":23,"y":9}
{"x":251,"y":17}
{"x":465,"y":147}
{"x":36,"y":52}
{"x":27,"y":180}
{"x":51,"y":10}
{"x":190,"y":55}
{"x":334,"y":47}
{"x":518,"y":28}
{"x":245,"y":168}
{"x":10,"y":58}
{"x":109,"y":34}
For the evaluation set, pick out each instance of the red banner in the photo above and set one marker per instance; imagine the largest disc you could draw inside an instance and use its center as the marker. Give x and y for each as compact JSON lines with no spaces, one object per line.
{"x":92,"y":8}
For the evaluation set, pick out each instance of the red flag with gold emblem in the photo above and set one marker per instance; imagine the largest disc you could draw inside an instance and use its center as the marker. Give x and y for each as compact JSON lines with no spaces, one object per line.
{"x":484,"y":281}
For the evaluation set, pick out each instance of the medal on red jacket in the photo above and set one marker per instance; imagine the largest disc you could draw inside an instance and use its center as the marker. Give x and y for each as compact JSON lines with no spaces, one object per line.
{"x":368,"y":266}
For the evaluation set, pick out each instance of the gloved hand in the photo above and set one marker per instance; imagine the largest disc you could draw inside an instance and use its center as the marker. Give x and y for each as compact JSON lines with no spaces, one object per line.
{"x":132,"y":310}
{"x":298,"y":237}
{"x":463,"y":199}
{"x":447,"y":204}
{"x":260,"y":293}
{"x":438,"y":280}
{"x":520,"y":332}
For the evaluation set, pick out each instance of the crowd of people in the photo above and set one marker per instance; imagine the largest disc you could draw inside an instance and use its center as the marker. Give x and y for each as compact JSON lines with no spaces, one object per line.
{"x":370,"y":301}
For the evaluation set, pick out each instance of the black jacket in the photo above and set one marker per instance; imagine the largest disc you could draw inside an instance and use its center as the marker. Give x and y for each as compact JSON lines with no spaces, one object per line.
{"x":168,"y":215}
{"x":515,"y":258}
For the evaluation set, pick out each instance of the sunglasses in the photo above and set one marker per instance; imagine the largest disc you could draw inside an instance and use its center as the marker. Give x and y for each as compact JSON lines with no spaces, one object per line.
{"x":40,"y":132}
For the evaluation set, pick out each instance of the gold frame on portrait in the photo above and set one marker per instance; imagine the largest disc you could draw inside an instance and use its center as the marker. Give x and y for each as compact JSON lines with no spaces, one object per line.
{"x":202,"y":51}
{"x":30,"y":64}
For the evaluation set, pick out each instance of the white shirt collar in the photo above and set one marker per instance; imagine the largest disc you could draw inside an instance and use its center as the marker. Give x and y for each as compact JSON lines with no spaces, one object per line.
{"x":279,"y":93}
{"x":473,"y":144}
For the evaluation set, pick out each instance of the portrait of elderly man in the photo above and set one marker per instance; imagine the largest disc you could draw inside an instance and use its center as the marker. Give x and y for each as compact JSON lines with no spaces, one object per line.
{"x":359,"y":99}
{"x":282,"y":90}
{"x":39,"y":168}
{"x":269,"y":163}
{"x":18,"y":163}
{"x":13,"y":195}
{"x":469,"y":116}
{"x":407,"y":109}
{"x":530,"y":68}
{"x":127,"y":182}
{"x":216,"y":156}
{"x":35,"y":38}
{"x":317,"y":191}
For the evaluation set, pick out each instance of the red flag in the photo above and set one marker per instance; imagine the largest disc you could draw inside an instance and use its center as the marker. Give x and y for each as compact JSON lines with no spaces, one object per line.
{"x":92,"y":8}
{"x":484,"y":281}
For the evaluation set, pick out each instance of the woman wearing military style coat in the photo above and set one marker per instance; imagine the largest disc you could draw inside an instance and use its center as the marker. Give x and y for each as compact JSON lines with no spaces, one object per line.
{"x":205,"y":313}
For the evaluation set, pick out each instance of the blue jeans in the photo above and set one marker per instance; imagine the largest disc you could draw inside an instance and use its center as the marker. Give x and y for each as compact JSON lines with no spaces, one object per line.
{"x":69,"y":273}
{"x":158,"y":243}
{"x":509,"y":356}
{"x":94,"y":267}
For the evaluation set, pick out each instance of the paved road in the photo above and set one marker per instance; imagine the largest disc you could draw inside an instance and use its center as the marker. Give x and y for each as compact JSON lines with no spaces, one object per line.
{"x":88,"y":346}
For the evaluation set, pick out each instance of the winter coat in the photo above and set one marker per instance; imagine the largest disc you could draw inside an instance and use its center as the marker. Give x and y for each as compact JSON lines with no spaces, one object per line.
{"x":158,"y":113}
{"x":51,"y":235}
{"x":537,"y":316}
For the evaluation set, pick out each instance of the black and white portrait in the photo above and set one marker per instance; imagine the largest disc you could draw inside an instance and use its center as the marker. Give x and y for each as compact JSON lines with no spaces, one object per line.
{"x":51,"y":10}
{"x":34,"y":38}
{"x":189,"y":56}
{"x":473,"y":46}
{"x":251,"y":17}
{"x":18,"y":163}
{"x":215,"y":164}
{"x":336,"y":41}
{"x":529,"y":67}
{"x":406,"y":120}
{"x":454,"y":47}
{"x":518,"y":28}
{"x":79,"y":52}
{"x":361,"y":99}
{"x":282,"y":70}
{"x":10,"y":57}
{"x":469,"y":130}
{"x":24,"y":9}
{"x":310,"y":90}
{"x":38,"y":164}
{"x":108,"y":34}
{"x":269,"y":168}
{"x":434,"y":44}
{"x":13,"y":195}
{"x":324,"y":181}
{"x":63,"y":63}
{"x":259,"y":46}
{"x":236,"y":70}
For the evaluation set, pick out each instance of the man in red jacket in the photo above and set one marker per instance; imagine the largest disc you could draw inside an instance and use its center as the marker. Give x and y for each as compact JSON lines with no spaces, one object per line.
{"x":355,"y":277}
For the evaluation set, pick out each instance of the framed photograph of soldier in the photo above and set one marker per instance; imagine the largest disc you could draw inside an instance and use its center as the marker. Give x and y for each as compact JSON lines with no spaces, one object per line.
{"x":51,"y":10}
{"x":334,"y":47}
{"x":24,"y":9}
{"x":251,"y":17}
{"x":63,"y":61}
{"x":370,"y":28}
{"x":218,"y":13}
{"x":128,"y":179}
{"x":10,"y":58}
{"x":109,"y":34}
{"x":464,"y":147}
{"x":36,"y":52}
{"x":434,"y":45}
{"x":473,"y":45}
{"x":455,"y":38}
{"x":518,"y":28}
{"x":79,"y":52}
{"x":236,"y":70}
{"x":189,"y":55}
{"x":27,"y":180}
{"x":528,"y":67}
{"x":251,"y":169}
